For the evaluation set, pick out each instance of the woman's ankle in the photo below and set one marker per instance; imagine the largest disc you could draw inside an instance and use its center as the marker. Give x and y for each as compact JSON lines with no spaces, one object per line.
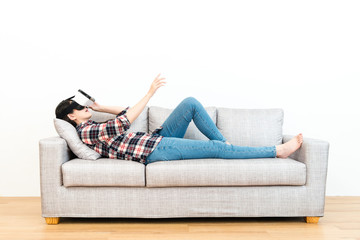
{"x":278,"y":150}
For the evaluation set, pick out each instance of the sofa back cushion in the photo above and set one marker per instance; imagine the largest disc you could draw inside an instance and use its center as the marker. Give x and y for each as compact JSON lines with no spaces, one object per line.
{"x":245,"y":127}
{"x":251,"y":127}
{"x":158,"y":115}
{"x":139,"y":125}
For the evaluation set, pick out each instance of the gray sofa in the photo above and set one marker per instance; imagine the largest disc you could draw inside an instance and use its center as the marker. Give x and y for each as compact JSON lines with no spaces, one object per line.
{"x":271,"y":187}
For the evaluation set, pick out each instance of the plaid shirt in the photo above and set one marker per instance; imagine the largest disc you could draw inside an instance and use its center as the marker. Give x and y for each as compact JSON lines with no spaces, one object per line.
{"x":111,"y":140}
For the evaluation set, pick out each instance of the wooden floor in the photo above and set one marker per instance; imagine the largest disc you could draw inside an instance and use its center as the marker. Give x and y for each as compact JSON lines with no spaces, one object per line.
{"x":20,"y":218}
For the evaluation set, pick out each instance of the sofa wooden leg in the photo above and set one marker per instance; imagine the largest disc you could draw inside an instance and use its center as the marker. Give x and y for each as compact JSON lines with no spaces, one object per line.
{"x":312,"y":219}
{"x":52,"y":220}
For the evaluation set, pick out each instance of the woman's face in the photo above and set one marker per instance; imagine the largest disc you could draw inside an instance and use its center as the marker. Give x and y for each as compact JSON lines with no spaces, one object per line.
{"x":80,"y":116}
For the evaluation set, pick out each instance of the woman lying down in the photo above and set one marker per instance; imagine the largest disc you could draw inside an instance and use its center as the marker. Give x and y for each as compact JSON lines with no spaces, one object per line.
{"x":166,"y":143}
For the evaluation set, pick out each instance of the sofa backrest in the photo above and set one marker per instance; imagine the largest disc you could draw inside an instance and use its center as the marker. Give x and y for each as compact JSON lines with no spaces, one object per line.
{"x":251,"y":127}
{"x":158,"y":115}
{"x":244,"y":127}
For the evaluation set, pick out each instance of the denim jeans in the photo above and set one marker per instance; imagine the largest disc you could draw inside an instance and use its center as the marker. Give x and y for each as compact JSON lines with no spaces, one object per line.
{"x":174,"y":147}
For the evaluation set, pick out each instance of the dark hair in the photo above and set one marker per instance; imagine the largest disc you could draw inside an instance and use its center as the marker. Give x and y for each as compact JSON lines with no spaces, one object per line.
{"x":60,"y":108}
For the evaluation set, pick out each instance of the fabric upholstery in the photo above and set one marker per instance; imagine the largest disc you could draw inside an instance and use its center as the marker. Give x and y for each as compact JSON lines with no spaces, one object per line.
{"x":225,"y":172}
{"x":158,"y":115}
{"x":68,"y":132}
{"x":251,"y":127}
{"x":175,"y":202}
{"x":53,"y":152}
{"x":278,"y":200}
{"x":157,"y":202}
{"x":103,"y":172}
{"x":314,"y":154}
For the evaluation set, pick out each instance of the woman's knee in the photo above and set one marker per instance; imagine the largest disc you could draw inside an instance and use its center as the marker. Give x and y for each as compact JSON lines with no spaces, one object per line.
{"x":190,"y":101}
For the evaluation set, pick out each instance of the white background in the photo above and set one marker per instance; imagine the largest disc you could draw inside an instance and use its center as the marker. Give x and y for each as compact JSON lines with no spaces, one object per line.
{"x":301,"y":56}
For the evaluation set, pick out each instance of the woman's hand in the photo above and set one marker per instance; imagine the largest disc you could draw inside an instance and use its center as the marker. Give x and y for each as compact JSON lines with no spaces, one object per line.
{"x":156,"y":84}
{"x":96,"y":107}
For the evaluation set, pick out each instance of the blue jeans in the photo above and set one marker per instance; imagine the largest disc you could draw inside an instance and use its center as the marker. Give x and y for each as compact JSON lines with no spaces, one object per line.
{"x":174,"y":147}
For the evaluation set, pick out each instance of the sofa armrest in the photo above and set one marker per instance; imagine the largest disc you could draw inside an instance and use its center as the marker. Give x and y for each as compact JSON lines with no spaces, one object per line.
{"x":53,"y":152}
{"x":314,"y":153}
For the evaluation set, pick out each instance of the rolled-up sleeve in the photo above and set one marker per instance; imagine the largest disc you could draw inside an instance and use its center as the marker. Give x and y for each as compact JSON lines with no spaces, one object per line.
{"x":115,"y":127}
{"x":123,"y":122}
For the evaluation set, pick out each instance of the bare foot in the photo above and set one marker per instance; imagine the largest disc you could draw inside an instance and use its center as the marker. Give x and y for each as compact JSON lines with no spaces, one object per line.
{"x":228,"y":143}
{"x":288,"y":148}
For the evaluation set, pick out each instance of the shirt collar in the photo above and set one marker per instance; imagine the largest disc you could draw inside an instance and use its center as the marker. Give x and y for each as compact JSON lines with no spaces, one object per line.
{"x":84,"y":124}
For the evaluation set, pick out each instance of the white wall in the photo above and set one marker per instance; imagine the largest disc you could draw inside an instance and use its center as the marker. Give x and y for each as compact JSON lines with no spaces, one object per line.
{"x":302,"y":56}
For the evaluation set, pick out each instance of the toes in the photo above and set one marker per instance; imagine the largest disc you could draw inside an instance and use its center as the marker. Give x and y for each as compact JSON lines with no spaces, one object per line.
{"x":299,"y":138}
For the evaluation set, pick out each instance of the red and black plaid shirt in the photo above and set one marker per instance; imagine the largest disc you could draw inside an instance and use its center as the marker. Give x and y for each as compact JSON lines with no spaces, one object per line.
{"x":111,"y":140}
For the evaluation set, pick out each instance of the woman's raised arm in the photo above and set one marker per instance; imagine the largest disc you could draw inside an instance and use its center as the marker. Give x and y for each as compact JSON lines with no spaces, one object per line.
{"x":134,"y":112}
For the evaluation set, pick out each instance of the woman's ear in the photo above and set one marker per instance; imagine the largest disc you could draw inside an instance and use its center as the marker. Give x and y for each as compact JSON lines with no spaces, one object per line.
{"x":71,"y":116}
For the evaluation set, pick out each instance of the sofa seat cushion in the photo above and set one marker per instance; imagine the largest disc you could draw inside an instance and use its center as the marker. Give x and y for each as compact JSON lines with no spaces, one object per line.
{"x":225,"y":172}
{"x":103,"y":172}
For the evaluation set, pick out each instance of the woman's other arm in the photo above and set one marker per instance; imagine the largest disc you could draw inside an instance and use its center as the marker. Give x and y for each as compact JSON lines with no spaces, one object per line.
{"x":107,"y":109}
